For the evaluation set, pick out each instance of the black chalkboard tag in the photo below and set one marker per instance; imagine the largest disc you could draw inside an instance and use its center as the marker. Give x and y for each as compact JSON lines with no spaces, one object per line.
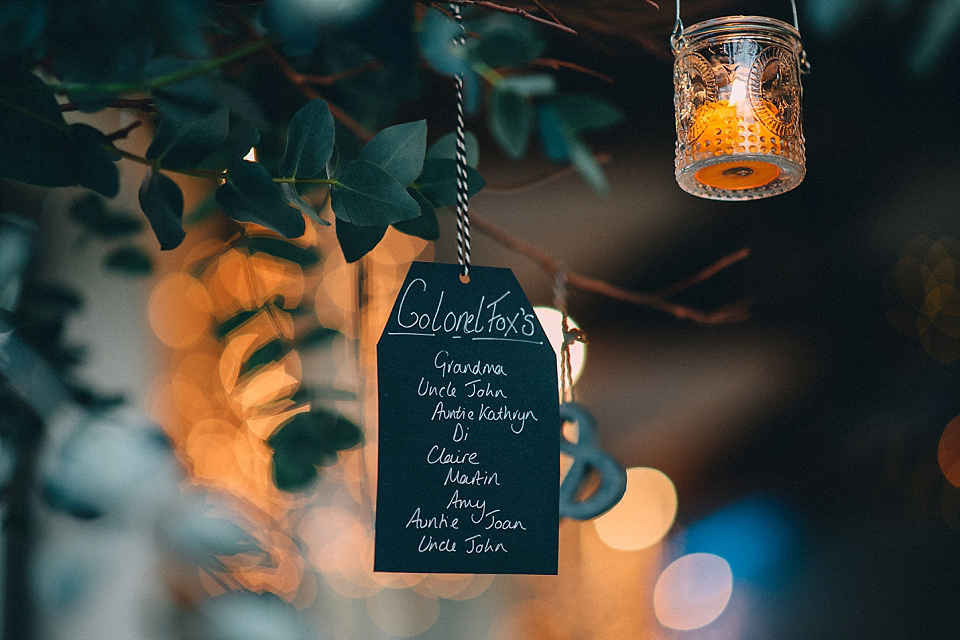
{"x":469,"y":444}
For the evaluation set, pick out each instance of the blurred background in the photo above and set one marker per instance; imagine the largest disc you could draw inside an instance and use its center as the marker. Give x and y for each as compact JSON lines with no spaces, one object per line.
{"x":794,"y":475}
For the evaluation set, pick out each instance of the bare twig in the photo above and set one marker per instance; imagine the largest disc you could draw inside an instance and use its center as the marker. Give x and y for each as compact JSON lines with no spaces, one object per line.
{"x":340,"y":75}
{"x":706,"y":274}
{"x":736,"y":312}
{"x":121,"y":134}
{"x":558,"y":64}
{"x":523,"y":13}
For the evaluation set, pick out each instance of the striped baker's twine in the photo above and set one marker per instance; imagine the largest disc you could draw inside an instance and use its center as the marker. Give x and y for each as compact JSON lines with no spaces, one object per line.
{"x":463,"y":215}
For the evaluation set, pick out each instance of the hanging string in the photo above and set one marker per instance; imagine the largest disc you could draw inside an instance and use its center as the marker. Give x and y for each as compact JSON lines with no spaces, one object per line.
{"x":569,"y":336}
{"x":463,"y":215}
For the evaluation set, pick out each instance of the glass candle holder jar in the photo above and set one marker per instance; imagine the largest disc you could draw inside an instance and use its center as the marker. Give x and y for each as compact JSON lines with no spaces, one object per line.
{"x":737,"y":98}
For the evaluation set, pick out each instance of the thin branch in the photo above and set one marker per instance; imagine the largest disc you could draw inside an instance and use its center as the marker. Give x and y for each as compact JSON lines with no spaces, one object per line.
{"x":121,"y":134}
{"x":523,"y":13}
{"x":731,"y":313}
{"x":706,"y":274}
{"x":501,"y":189}
{"x":140,"y":104}
{"x":547,"y":11}
{"x":558,"y":64}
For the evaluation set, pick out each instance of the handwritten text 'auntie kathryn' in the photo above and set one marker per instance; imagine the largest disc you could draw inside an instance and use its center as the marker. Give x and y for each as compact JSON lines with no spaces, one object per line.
{"x":422,"y":312}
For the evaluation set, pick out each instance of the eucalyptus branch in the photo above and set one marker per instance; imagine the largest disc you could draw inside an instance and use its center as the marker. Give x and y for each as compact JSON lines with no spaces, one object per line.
{"x":736,"y":312}
{"x":523,"y":13}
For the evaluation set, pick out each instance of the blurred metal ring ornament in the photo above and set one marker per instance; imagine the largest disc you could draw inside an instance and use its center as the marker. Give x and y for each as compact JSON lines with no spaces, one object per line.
{"x":737,"y":96}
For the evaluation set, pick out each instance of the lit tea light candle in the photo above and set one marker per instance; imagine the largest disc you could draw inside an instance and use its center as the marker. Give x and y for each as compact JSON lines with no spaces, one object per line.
{"x":730,"y":128}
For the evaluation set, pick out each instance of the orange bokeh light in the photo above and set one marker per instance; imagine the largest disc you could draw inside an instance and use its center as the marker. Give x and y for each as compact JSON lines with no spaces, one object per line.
{"x":948,"y":452}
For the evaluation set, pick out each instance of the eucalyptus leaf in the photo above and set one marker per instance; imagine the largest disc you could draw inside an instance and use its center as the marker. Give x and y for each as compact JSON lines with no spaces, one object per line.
{"x":310,"y":138}
{"x":272,"y":351}
{"x":425,"y":225}
{"x":551,"y":130}
{"x":510,"y":119}
{"x":367,"y":195}
{"x":399,"y":150}
{"x":438,"y":35}
{"x":316,"y":337}
{"x":91,"y":212}
{"x":193,"y":94}
{"x":23,"y":23}
{"x":162,"y":203}
{"x":507,"y":48}
{"x":184,"y":139}
{"x":34,"y":144}
{"x":438,"y":182}
{"x":306,"y":441}
{"x":304,"y":257}
{"x":446,"y":147}
{"x":357,"y":241}
{"x":293,"y":197}
{"x":94,"y":164}
{"x":536,"y":84}
{"x":290,"y":22}
{"x":129,"y":260}
{"x":250,"y":195}
{"x":241,"y":137}
{"x":223,"y":329}
{"x":583,"y":112}
{"x":587,"y":165}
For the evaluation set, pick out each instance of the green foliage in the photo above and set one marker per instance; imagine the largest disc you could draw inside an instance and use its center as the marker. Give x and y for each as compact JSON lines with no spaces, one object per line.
{"x":271,"y":352}
{"x":307,"y":441}
{"x":223,"y":329}
{"x":504,"y":41}
{"x":185,"y":138}
{"x":367,"y":195}
{"x":358,"y":240}
{"x":129,"y":260}
{"x":250,"y":195}
{"x":316,"y":337}
{"x":309,"y":142}
{"x":563,"y":119}
{"x":438,"y":182}
{"x":35,"y":142}
{"x":90,"y":211}
{"x":399,"y":150}
{"x":425,"y":225}
{"x":94,"y":165}
{"x":304,"y":257}
{"x":510,"y":121}
{"x":446,"y":147}
{"x":162,"y":203}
